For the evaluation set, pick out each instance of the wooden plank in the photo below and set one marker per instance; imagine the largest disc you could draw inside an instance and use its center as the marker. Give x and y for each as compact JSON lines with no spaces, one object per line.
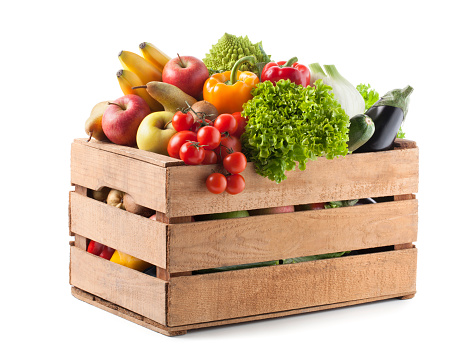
{"x":79,"y":241}
{"x":127,"y":232}
{"x":240,"y":293}
{"x":124,"y":313}
{"x":403,"y":246}
{"x":95,"y":168}
{"x":227,"y":242}
{"x":147,"y":156}
{"x":354,"y":176}
{"x":174,"y":331}
{"x":133,"y":290}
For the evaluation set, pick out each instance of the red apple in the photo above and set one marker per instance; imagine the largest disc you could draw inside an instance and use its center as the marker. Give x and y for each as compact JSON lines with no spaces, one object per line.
{"x":187,"y":73}
{"x":272,"y":210}
{"x":122,"y":118}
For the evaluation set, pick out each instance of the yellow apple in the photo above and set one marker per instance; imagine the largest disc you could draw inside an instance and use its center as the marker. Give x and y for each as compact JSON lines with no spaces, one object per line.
{"x":153,"y":134}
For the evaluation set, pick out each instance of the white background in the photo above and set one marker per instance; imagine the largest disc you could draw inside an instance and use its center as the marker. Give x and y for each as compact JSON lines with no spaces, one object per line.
{"x":58,"y":59}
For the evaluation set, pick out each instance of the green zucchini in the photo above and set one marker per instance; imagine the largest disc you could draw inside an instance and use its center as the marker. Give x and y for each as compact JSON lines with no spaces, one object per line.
{"x":361,"y":130}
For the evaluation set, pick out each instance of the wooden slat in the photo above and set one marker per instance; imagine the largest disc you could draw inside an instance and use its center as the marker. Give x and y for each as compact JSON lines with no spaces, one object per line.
{"x":200,"y":245}
{"x":95,"y":168}
{"x":133,"y":290}
{"x":402,"y":246}
{"x":147,"y":156}
{"x":79,"y":240}
{"x":133,"y":234}
{"x":232,"y":294}
{"x":174,"y":331}
{"x":354,"y":176}
{"x":123,"y":313}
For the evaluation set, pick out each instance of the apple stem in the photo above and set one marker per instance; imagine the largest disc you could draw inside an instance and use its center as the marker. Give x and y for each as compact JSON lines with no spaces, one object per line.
{"x":90,"y":136}
{"x":167,"y":124}
{"x":181,"y":62}
{"x":112,"y":103}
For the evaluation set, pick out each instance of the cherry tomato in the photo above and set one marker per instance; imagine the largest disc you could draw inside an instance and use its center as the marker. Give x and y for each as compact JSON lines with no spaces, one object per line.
{"x":228,"y":145}
{"x":199,"y":124}
{"x":235,"y":184}
{"x":241,"y":124}
{"x":235,"y":163}
{"x":182,"y":121}
{"x":192,"y":153}
{"x":176,"y":141}
{"x":210,"y":158}
{"x":226,"y":123}
{"x":216,"y":183}
{"x":209,"y":137}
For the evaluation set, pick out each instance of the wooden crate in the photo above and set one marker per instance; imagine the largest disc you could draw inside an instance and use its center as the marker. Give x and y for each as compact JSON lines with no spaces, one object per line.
{"x":381,"y":266}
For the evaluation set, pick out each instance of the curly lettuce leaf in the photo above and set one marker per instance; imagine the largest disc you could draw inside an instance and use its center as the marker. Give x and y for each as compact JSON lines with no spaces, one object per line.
{"x":289,"y":124}
{"x":370,"y":95}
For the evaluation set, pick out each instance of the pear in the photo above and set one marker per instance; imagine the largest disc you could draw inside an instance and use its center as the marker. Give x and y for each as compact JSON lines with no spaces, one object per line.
{"x":93,"y":126}
{"x":169,"y":96}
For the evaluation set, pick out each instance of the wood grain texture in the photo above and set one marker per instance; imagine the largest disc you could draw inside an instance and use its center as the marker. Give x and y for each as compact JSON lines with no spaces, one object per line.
{"x":133,"y":290}
{"x":124,"y":313}
{"x":133,"y":234}
{"x":149,"y":157}
{"x":233,"y":294}
{"x":352,"y":177}
{"x":95,"y":168}
{"x":175,"y":331}
{"x":200,"y":245}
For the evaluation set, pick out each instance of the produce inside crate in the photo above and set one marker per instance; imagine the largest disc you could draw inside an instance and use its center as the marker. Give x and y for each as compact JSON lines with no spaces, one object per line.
{"x":188,"y":290}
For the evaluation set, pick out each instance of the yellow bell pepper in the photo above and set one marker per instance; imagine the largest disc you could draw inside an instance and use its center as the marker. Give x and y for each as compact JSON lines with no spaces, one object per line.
{"x":129,"y":261}
{"x":228,"y":91}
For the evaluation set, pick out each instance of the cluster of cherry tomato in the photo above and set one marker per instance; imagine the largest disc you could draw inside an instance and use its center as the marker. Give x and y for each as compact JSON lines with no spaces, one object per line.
{"x":205,"y":142}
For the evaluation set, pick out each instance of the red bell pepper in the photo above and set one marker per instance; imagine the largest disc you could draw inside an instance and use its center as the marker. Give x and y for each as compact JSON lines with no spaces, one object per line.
{"x":295,"y":72}
{"x":100,"y":250}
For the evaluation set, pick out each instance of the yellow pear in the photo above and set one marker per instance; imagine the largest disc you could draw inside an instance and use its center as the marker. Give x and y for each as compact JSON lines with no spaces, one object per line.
{"x":93,"y":125}
{"x":169,"y":96}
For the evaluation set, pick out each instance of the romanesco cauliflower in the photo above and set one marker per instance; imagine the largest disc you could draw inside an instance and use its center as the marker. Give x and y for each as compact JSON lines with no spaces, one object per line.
{"x":223,"y":55}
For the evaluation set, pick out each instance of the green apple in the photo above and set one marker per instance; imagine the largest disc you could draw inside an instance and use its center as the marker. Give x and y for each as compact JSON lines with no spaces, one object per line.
{"x":153,"y":134}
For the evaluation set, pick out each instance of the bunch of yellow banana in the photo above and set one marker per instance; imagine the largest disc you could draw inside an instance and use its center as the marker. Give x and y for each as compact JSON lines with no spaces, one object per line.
{"x":138,"y":71}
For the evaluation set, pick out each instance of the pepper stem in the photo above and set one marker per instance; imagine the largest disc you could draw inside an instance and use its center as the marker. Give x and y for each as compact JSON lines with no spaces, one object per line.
{"x":290,"y":62}
{"x":234,"y":71}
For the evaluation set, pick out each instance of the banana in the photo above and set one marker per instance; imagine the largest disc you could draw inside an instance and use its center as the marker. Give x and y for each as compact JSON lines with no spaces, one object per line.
{"x":154,"y":55}
{"x":128,"y":79}
{"x":142,"y":68}
{"x":93,"y":125}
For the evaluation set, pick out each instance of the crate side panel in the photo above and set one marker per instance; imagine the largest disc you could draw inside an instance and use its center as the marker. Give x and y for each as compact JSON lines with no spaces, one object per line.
{"x":135,"y":235}
{"x":133,"y":290}
{"x":232,"y":294}
{"x":228,"y":242}
{"x":354,"y":176}
{"x":149,"y":157}
{"x":95,"y":168}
